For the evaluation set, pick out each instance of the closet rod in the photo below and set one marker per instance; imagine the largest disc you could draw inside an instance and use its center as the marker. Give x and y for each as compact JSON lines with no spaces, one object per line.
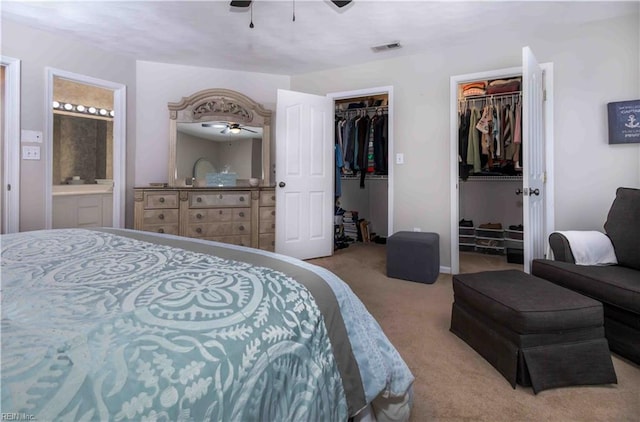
{"x":492,"y":96}
{"x":375,"y":108}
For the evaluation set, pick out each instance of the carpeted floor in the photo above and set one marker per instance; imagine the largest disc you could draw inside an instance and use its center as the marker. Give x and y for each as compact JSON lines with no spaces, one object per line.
{"x":453,"y":382}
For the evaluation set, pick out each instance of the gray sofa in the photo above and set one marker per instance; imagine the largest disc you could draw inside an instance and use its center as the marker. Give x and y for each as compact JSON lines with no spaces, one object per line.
{"x":617,"y":287}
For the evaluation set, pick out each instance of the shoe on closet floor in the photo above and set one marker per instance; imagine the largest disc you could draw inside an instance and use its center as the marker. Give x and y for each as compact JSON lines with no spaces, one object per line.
{"x":466,"y":223}
{"x":493,"y":226}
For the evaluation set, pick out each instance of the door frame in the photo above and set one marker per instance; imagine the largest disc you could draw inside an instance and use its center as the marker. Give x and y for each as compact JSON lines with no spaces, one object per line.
{"x":11,"y":147}
{"x":388,"y":90}
{"x":453,"y":164}
{"x":119,"y":141}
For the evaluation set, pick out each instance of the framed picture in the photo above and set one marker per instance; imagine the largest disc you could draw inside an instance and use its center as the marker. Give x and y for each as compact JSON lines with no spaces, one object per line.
{"x":624,"y":122}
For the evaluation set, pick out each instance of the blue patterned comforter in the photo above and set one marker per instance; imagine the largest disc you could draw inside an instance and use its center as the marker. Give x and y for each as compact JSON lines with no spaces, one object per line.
{"x":102,"y":326}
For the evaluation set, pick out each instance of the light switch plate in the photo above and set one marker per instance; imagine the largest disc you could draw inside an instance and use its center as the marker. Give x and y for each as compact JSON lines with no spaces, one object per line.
{"x":30,"y":153}
{"x":399,"y":158}
{"x":31,"y":136}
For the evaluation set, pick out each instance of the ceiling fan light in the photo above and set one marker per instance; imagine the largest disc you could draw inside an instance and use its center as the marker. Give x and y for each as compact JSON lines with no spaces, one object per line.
{"x":234,"y":130}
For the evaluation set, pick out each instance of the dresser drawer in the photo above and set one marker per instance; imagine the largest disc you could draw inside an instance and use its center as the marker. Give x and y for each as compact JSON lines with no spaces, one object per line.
{"x":219,"y":229}
{"x":160,"y":216}
{"x":219,"y":199}
{"x":267,"y":198}
{"x":160,"y":200}
{"x":267,"y":242}
{"x":234,"y":240}
{"x":267,"y":226}
{"x":217,"y":215}
{"x":162,"y":228}
{"x":268,"y":213}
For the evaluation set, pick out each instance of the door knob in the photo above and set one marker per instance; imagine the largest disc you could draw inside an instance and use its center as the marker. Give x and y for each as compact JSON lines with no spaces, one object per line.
{"x":282,"y":184}
{"x":518,"y":191}
{"x":535,"y":192}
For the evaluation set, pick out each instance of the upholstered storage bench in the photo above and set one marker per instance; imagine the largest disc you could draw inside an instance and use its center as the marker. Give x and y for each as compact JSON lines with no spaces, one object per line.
{"x":413,"y":256}
{"x":534,"y":332}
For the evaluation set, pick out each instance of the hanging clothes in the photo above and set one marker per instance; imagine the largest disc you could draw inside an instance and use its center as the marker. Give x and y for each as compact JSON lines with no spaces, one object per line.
{"x":380,"y":140}
{"x":363,"y":144}
{"x":339,"y":165}
{"x":473,"y":147}
{"x":517,"y":136}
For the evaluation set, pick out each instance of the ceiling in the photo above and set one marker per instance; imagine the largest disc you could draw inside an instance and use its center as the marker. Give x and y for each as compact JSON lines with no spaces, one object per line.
{"x":214,"y":133}
{"x":214,"y":34}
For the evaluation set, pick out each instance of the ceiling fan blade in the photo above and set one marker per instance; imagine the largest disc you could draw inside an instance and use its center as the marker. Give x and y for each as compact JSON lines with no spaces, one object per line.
{"x":225,"y":130}
{"x":248,"y":130}
{"x":240,"y":3}
{"x":207,"y":125}
{"x":339,"y":3}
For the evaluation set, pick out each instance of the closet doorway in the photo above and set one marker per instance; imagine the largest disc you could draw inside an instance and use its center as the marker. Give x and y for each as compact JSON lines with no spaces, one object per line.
{"x":497,"y":189}
{"x":10,"y":145}
{"x":305,"y":188}
{"x":369,"y":194}
{"x":85,"y":137}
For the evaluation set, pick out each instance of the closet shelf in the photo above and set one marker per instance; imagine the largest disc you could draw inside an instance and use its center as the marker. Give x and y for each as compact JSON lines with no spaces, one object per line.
{"x":384,"y":108}
{"x":367,"y":177}
{"x":482,"y":97}
{"x":493,"y":179}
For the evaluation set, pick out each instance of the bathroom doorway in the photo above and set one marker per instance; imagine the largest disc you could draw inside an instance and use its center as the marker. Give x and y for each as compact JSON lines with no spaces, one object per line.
{"x":86,"y":145}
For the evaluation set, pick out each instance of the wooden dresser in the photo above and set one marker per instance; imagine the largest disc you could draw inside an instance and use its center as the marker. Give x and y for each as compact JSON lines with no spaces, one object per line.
{"x":241,"y":216}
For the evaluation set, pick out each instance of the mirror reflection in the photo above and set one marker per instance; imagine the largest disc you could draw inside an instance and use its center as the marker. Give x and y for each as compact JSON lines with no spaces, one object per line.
{"x":218,"y":147}
{"x":82,"y":150}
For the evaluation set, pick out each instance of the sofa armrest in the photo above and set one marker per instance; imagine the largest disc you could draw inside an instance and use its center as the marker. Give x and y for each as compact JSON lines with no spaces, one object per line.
{"x":561,"y":248}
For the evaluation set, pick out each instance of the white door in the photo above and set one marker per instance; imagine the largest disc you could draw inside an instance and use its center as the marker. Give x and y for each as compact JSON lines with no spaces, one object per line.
{"x":304,"y":175}
{"x":533,"y":156}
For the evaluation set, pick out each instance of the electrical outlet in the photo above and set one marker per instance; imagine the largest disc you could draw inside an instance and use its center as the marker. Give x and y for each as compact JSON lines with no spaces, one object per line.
{"x":30,"y":153}
{"x":417,"y":229}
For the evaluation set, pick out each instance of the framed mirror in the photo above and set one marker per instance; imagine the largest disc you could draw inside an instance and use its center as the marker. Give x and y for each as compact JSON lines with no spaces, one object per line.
{"x":218,"y":132}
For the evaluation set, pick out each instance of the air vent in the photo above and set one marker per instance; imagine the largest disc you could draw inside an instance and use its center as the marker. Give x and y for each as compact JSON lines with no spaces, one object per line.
{"x":385,"y":47}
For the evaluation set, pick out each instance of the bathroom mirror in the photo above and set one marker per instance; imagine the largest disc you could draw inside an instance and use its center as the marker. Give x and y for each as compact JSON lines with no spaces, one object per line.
{"x":218,"y":130}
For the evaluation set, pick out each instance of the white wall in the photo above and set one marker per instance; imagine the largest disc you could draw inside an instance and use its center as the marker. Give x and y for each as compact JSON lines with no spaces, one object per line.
{"x":38,"y":50}
{"x":594,"y":64}
{"x":159,"y":84}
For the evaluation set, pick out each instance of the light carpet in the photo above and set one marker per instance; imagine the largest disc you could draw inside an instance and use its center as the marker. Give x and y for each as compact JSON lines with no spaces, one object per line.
{"x":453,"y":382}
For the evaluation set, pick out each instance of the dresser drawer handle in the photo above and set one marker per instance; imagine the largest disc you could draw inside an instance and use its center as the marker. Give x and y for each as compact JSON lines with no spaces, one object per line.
{"x":220,"y":212}
{"x":273,"y":243}
{"x":241,"y":228}
{"x":199,"y":216}
{"x":241,"y":214}
{"x":273,"y":213}
{"x":273,"y":226}
{"x":198,"y":199}
{"x":160,"y":230}
{"x":242,"y":199}
{"x":273,"y":198}
{"x":219,"y":196}
{"x":161,"y":199}
{"x":199,"y":230}
{"x":161,"y":216}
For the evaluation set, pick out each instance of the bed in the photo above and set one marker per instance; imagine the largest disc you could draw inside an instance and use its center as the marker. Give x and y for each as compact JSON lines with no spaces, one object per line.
{"x":115,"y":324}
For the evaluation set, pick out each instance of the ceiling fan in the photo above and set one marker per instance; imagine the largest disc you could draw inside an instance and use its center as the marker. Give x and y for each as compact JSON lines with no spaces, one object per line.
{"x":229,"y":127}
{"x":241,"y":3}
{"x":249,"y":4}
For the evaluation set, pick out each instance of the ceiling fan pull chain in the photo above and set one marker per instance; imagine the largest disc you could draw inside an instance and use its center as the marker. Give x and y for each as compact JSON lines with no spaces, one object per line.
{"x":251,"y":23}
{"x":294,"y":10}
